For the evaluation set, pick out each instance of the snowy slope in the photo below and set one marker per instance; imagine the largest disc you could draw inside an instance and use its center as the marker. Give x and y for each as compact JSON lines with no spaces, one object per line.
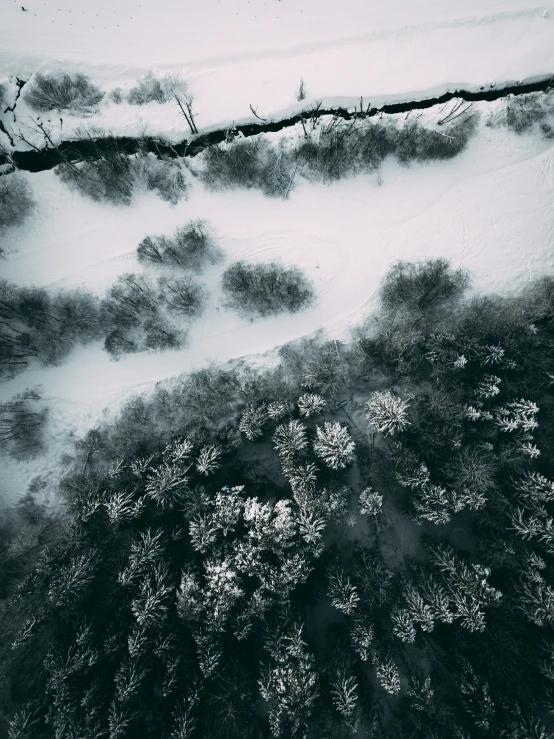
{"x":469,"y":210}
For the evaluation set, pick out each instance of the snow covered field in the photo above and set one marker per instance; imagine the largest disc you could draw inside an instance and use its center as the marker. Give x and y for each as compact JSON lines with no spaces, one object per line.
{"x":254,"y":52}
{"x":489,"y":209}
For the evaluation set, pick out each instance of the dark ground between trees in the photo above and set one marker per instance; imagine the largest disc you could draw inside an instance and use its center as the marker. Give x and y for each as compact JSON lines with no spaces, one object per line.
{"x":356,"y":542}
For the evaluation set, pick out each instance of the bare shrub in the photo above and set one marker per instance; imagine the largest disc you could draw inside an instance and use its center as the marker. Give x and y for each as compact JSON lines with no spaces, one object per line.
{"x":331,"y":154}
{"x":415,"y":143}
{"x":105,"y":174}
{"x":523,"y":112}
{"x":191,"y":247}
{"x":182,"y":295}
{"x":132,"y":314}
{"x":36,"y":323}
{"x":422,"y":286}
{"x":16,"y":201}
{"x":164,"y":176}
{"x":266,"y":289}
{"x":301,"y":91}
{"x":108,"y":174}
{"x":249,"y":163}
{"x":150,"y":89}
{"x":116,"y":95}
{"x":62,"y":91}
{"x":22,"y":425}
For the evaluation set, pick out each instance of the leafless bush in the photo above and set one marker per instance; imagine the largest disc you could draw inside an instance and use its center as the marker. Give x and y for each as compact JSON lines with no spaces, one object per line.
{"x":164,"y":176}
{"x":116,"y":95}
{"x":266,"y":289}
{"x":422,"y":286}
{"x":150,"y":89}
{"x":249,"y":163}
{"x":522,"y":112}
{"x":415,"y":143}
{"x":182,"y":295}
{"x":22,"y":426}
{"x":16,"y":201}
{"x":108,"y":174}
{"x":62,"y":91}
{"x":191,"y":247}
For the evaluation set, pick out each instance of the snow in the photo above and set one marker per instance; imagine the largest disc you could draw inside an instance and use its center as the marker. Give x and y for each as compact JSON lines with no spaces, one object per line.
{"x":254,"y":52}
{"x":345,"y":236}
{"x":489,"y":209}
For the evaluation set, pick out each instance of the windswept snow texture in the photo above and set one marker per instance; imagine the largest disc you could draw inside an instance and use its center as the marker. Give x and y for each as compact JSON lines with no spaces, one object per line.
{"x":489,"y":210}
{"x":244,"y":53}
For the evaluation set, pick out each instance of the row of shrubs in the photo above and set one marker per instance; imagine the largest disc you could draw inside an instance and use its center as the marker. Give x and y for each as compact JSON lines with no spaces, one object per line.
{"x":141,"y":312}
{"x":337,"y":150}
{"x":76,"y":92}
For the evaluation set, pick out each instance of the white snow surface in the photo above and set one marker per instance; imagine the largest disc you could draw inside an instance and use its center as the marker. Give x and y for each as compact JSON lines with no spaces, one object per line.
{"x":240,"y":53}
{"x":489,"y":209}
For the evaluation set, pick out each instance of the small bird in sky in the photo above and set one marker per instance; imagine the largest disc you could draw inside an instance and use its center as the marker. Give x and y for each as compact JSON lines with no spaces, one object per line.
{"x":25,"y":9}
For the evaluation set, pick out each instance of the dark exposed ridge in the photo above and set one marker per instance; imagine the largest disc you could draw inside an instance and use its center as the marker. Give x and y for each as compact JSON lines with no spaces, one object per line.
{"x":74,"y":151}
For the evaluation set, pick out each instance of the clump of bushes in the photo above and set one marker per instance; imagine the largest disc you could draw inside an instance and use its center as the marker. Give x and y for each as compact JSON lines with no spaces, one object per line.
{"x":22,"y":425}
{"x":331,"y":151}
{"x":266,"y":289}
{"x":16,"y":201}
{"x":36,"y":323}
{"x":151,"y":89}
{"x":191,"y":247}
{"x":136,"y":313}
{"x":523,"y":112}
{"x":108,"y":174}
{"x":418,"y":287}
{"x":62,"y":91}
{"x":249,"y":163}
{"x":182,"y":295}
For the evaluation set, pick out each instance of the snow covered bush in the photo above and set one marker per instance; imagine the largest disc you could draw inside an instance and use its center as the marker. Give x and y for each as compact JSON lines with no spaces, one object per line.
{"x":191,"y":247}
{"x":16,"y":201}
{"x":62,"y":91}
{"x":334,"y":445}
{"x":266,"y":289}
{"x":151,"y":89}
{"x":387,"y":413}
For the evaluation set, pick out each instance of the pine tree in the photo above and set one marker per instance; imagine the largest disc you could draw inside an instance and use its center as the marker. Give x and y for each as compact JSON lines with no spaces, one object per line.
{"x":252,"y":421}
{"x":388,"y":675}
{"x":279,"y":409}
{"x":289,"y":683}
{"x":344,"y":695}
{"x":387,"y":413}
{"x":334,"y":445}
{"x":370,"y":503}
{"x":343,"y":594}
{"x":290,"y":440}
{"x":362,"y":637}
{"x":208,"y":459}
{"x":310,"y":404}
